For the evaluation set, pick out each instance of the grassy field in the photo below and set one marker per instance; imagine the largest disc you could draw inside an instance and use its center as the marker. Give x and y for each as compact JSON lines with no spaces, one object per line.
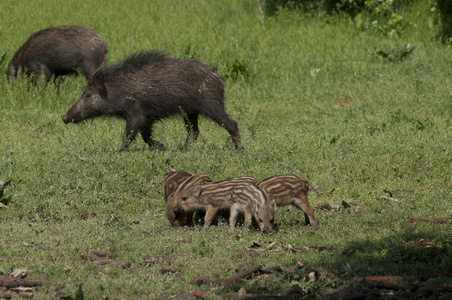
{"x":313,"y":96}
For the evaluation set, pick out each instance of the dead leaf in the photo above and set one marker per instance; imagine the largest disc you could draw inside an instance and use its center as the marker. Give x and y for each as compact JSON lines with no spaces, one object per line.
{"x":22,"y":289}
{"x":241,"y":293}
{"x":199,"y":294}
{"x":85,"y":216}
{"x":324,"y":206}
{"x":82,"y":159}
{"x":22,"y":273}
{"x":268,"y":248}
{"x":298,"y":265}
{"x":424,"y":244}
{"x":290,"y":248}
{"x":410,"y":220}
{"x":318,"y":248}
{"x":345,"y":101}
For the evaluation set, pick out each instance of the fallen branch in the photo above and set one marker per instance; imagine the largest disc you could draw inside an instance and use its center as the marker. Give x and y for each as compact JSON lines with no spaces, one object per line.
{"x":87,"y":177}
{"x":436,"y":288}
{"x":268,"y":248}
{"x":243,"y":274}
{"x":82,"y":159}
{"x":17,"y":282}
{"x":99,"y":255}
{"x":388,"y":285}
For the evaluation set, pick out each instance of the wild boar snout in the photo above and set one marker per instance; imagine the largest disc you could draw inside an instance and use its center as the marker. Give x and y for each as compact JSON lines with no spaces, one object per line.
{"x":65,"y":119}
{"x":177,"y":210}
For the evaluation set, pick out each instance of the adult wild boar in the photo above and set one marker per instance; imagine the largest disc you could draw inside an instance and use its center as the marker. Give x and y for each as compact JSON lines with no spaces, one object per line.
{"x":57,"y":51}
{"x":149,"y":86}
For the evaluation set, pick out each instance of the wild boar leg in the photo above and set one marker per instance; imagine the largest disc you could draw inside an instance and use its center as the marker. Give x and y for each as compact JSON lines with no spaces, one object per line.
{"x":234,"y":213}
{"x":129,"y":135}
{"x":222,"y":213}
{"x":247,"y":221}
{"x":210,"y":214}
{"x":307,"y":210}
{"x":189,"y":219}
{"x":224,"y":120}
{"x":191,"y":124}
{"x":47,"y":73}
{"x":146,"y":134}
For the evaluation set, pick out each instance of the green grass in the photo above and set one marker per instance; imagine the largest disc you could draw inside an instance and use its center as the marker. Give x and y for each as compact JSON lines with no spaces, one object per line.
{"x":395,"y":136}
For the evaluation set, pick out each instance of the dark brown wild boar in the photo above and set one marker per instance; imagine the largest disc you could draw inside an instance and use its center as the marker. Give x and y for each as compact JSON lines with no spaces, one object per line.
{"x":150,"y":86}
{"x":57,"y":51}
{"x":182,"y":218}
{"x":240,"y":197}
{"x":290,"y":189}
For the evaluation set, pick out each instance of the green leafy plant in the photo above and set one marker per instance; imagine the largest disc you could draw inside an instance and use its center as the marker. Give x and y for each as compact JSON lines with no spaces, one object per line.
{"x":3,"y":184}
{"x":374,"y":15}
{"x":237,"y":69}
{"x":189,"y":52}
{"x":5,"y":200}
{"x":78,"y":295}
{"x":396,"y":55}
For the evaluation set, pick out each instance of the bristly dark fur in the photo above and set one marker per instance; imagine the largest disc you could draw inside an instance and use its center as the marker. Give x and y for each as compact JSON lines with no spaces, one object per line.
{"x":133,"y":62}
{"x":150,"y":86}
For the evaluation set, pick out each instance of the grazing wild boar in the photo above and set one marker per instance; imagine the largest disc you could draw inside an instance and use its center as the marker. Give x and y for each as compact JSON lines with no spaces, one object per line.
{"x":57,"y":51}
{"x":240,"y":197}
{"x":183,"y":218}
{"x":290,"y":189}
{"x":150,"y":86}
{"x":171,"y":181}
{"x":244,"y":178}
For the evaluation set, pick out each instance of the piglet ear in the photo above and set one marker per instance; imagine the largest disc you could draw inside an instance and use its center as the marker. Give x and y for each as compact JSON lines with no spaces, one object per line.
{"x":197,"y":190}
{"x":273,"y":204}
{"x":99,"y":82}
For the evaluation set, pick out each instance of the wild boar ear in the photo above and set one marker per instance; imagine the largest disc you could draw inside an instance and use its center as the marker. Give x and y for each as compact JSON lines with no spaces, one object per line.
{"x":103,"y":91}
{"x":99,"y":82}
{"x":273,"y":203}
{"x":197,"y":190}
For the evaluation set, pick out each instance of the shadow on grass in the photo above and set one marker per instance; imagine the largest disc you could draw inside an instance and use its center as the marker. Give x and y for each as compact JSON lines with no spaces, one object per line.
{"x":404,"y":265}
